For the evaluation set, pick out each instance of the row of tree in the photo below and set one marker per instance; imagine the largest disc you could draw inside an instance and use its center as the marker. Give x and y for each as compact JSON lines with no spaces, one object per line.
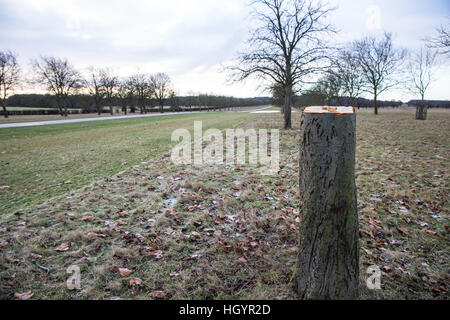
{"x":67,"y":88}
{"x":291,"y":47}
{"x":87,"y":102}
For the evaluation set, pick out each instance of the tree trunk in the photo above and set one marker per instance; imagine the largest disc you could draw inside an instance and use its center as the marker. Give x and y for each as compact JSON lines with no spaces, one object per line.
{"x":421,"y":111}
{"x":5,"y":112}
{"x":375,"y":105}
{"x":328,"y":259}
{"x":288,"y":107}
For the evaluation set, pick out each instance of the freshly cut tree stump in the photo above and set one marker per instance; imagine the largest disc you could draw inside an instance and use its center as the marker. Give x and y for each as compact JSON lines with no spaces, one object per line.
{"x":328,"y":259}
{"x":421,"y":112}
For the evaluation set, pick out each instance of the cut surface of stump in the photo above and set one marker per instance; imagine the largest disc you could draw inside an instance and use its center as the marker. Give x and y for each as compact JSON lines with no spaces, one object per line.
{"x":328,"y":259}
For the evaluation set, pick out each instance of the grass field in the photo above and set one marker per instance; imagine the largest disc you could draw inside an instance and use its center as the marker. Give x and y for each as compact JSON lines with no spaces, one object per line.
{"x":45,"y":161}
{"x":30,"y":118}
{"x":157,"y":230}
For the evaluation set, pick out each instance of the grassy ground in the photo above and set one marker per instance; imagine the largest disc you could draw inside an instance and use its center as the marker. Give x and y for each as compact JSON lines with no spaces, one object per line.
{"x":163,"y":231}
{"x":30,"y":118}
{"x":45,"y":161}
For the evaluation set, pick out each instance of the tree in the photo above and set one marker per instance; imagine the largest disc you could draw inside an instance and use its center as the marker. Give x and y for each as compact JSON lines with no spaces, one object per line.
{"x":349,"y":73}
{"x":328,"y":256}
{"x":96,"y":88}
{"x":160,"y":84}
{"x":59,"y":77}
{"x":420,"y":70}
{"x":441,"y":40}
{"x":286,"y":47}
{"x":330,"y":87}
{"x":142,"y":89}
{"x":9,"y":76}
{"x":125,"y":92}
{"x":109,"y":81}
{"x":278,"y":93}
{"x":380,"y":63}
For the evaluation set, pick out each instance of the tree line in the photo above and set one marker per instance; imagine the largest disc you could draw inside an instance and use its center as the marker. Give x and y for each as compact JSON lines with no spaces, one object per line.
{"x":68,"y":89}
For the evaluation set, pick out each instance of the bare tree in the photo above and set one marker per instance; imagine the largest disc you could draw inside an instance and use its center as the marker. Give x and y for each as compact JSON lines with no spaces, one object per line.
{"x":347,"y":69}
{"x":96,"y":88}
{"x":142,"y":90}
{"x":161,"y":86}
{"x":125,"y":93}
{"x":109,"y":82}
{"x":330,"y":87}
{"x":9,"y":76}
{"x":286,"y":47}
{"x":420,"y":72}
{"x":59,"y":77}
{"x":441,"y":40}
{"x":380,"y":63}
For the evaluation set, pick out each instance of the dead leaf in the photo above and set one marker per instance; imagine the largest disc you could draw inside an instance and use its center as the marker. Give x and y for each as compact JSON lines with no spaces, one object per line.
{"x":135,"y":282}
{"x":157,"y":294}
{"x":63,"y":247}
{"x":12,"y":260}
{"x":402,"y":230}
{"x":95,"y":235}
{"x":122,"y":213}
{"x":158,"y":254}
{"x":196,"y":234}
{"x":124,"y":272}
{"x":23,"y":296}
{"x":242,"y":260}
{"x":254,"y":244}
{"x":88,"y":218}
{"x":174,"y":274}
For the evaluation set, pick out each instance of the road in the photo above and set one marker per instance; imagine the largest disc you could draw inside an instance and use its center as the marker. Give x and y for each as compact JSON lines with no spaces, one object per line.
{"x":53,"y":122}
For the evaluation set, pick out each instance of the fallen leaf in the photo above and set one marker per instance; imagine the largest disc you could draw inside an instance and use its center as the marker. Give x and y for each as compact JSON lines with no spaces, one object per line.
{"x":63,"y":247}
{"x":241,"y":260}
{"x":122,"y":213}
{"x":158,"y":254}
{"x":23,"y":296}
{"x":95,"y":235}
{"x":12,"y":260}
{"x":88,"y":218}
{"x":196,"y":234}
{"x":135,"y":282}
{"x":124,"y":272}
{"x":157,"y":294}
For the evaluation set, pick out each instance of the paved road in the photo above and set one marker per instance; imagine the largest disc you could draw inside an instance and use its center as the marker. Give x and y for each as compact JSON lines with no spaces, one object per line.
{"x":53,"y":122}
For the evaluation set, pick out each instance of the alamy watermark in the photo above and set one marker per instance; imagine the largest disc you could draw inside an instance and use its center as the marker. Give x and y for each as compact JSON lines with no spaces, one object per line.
{"x":74,"y":281}
{"x":212,"y":147}
{"x":373,"y":282}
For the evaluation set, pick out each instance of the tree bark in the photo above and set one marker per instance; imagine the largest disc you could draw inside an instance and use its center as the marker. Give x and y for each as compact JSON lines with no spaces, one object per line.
{"x":421,"y":111}
{"x":375,"y":105}
{"x":288,"y":107}
{"x":5,"y":112}
{"x":328,"y":259}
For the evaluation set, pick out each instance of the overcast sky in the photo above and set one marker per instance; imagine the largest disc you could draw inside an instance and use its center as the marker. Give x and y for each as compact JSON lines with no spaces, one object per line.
{"x":190,"y":39}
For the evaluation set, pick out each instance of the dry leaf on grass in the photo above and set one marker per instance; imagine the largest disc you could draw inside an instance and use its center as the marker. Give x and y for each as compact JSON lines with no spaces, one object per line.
{"x":122,"y":213}
{"x":63,"y":247}
{"x":88,"y":218}
{"x":157,"y":294}
{"x":135,"y":282}
{"x":241,"y":260}
{"x":23,"y":296}
{"x":124,"y":272}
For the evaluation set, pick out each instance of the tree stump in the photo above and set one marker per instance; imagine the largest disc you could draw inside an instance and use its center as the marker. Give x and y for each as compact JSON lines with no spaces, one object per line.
{"x":421,"y":112}
{"x":328,"y":259}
